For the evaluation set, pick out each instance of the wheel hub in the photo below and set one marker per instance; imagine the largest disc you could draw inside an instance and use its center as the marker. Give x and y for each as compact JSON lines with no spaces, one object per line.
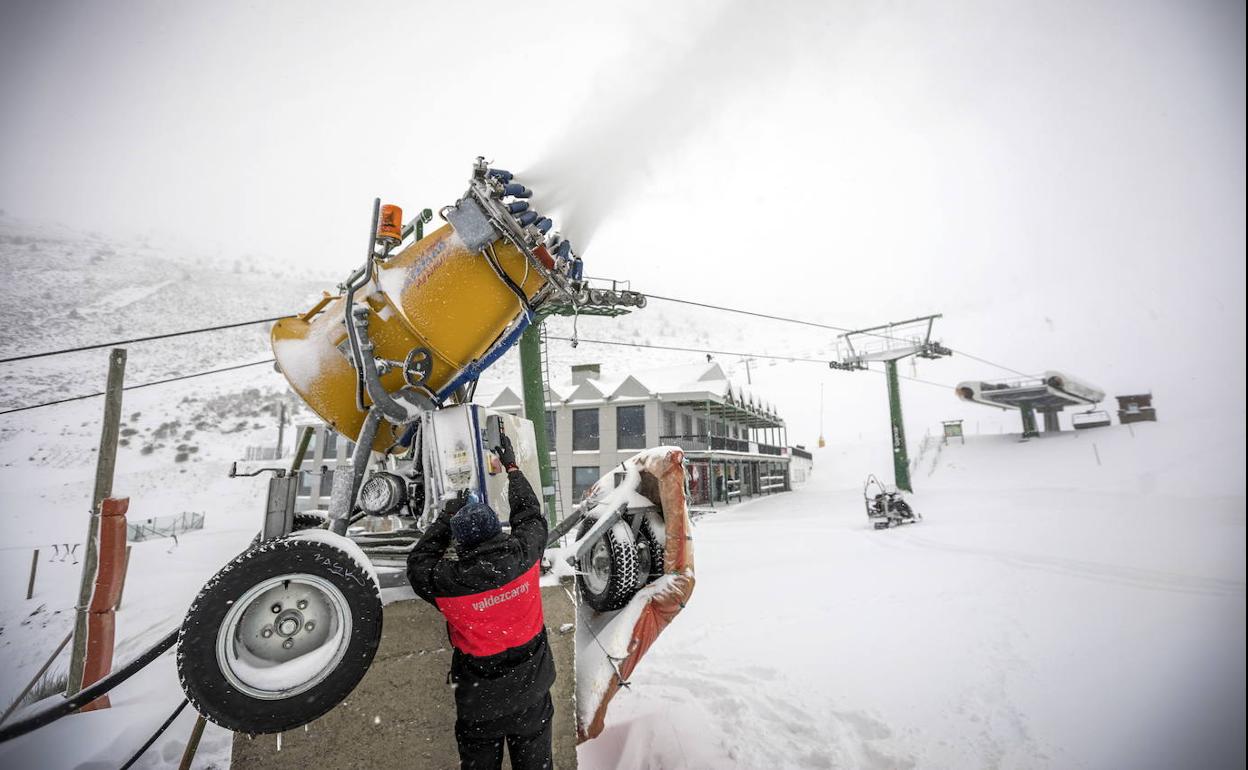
{"x":277,"y":621}
{"x":598,"y":570}
{"x":288,"y":623}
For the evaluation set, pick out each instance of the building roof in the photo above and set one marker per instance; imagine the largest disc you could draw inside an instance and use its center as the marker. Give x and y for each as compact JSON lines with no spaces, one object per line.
{"x":703,"y":386}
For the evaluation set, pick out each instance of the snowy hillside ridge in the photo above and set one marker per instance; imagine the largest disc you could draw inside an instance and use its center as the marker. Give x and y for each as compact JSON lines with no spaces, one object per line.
{"x":65,"y":289}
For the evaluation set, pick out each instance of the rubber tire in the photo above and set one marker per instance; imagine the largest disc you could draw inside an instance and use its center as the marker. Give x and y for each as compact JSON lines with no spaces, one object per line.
{"x":649,"y":550}
{"x":207,"y":689}
{"x":302,"y":520}
{"x":310,"y":520}
{"x":622,"y":581}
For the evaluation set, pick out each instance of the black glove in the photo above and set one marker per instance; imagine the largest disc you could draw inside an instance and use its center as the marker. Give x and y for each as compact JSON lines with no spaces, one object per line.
{"x":506,"y":454}
{"x":452,"y":506}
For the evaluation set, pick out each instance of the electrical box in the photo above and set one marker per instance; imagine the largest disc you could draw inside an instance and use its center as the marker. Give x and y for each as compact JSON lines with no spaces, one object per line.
{"x":463,"y":458}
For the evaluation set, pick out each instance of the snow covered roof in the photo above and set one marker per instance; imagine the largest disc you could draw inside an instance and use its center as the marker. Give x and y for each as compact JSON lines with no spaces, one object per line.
{"x":699,"y":383}
{"x":703,"y":384}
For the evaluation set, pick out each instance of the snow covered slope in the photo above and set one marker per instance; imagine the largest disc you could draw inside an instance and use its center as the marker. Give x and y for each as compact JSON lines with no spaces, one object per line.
{"x":1048,"y":612}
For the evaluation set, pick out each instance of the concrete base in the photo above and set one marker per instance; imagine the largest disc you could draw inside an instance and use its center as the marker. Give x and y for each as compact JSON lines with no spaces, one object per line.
{"x":402,"y":715}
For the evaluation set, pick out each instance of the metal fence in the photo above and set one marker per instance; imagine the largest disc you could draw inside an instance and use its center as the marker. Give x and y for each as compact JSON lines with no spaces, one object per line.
{"x":164,"y":526}
{"x":261,"y":453}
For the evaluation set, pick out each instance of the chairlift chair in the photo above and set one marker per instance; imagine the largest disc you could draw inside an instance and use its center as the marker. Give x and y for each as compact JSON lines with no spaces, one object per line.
{"x":1093,"y":418}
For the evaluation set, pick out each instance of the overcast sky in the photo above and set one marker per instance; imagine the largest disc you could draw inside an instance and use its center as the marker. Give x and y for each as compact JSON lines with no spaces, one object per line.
{"x":1064,"y":180}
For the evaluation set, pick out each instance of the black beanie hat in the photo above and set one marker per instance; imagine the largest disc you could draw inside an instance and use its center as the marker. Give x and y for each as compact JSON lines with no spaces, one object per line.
{"x":474,"y":524}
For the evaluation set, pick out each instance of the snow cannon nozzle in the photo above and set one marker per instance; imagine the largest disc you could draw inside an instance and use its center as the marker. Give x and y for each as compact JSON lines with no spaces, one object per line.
{"x":497,"y":204}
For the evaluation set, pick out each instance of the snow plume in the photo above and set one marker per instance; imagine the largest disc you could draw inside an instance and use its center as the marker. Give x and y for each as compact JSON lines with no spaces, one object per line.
{"x":648,"y":107}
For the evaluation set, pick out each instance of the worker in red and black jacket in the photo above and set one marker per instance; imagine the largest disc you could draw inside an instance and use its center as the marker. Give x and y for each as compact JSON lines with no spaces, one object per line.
{"x":502,"y":667}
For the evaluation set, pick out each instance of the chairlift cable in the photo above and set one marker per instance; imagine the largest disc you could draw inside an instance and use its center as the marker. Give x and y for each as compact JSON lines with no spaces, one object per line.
{"x":815,"y":324}
{"x":136,"y":387}
{"x":149,"y":338}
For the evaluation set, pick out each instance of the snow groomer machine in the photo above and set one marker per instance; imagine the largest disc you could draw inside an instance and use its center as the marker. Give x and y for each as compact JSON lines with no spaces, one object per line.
{"x":287,"y":629}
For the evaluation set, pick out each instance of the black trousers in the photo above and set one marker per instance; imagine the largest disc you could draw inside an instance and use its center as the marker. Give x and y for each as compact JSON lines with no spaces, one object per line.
{"x":526,"y":733}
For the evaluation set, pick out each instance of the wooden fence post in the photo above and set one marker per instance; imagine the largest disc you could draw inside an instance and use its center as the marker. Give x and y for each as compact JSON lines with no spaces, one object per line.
{"x":34,"y":567}
{"x":106,"y":461}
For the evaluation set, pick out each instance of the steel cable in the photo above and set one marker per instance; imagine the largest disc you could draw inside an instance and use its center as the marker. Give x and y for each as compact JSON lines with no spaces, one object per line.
{"x":136,"y":387}
{"x":159,"y":731}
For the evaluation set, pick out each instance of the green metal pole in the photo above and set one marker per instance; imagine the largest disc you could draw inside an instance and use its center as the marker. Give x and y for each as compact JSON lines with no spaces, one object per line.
{"x":1029,"y":422}
{"x":535,"y":408}
{"x":901,"y":459}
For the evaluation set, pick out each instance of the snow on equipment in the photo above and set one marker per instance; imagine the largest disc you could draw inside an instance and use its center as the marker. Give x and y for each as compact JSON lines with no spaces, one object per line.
{"x":885,"y":506}
{"x":287,"y":630}
{"x":634,"y":560}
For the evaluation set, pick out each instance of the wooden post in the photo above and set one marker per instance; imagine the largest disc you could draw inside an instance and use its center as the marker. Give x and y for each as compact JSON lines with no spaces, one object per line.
{"x":34,"y":567}
{"x":192,"y":745}
{"x":105,"y":463}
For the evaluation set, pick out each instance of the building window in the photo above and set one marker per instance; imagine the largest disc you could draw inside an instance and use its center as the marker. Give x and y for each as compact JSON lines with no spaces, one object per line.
{"x":669,"y":422}
{"x":686,"y":424}
{"x":305,"y":484}
{"x":331,"y":445}
{"x":584,"y":430}
{"x":551,"y":422}
{"x":583,"y":477}
{"x":630,"y":427}
{"x":701,"y":426}
{"x":327,"y":482}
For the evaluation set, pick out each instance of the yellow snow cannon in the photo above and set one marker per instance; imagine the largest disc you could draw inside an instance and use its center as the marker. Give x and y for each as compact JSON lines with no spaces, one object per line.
{"x":414,"y":326}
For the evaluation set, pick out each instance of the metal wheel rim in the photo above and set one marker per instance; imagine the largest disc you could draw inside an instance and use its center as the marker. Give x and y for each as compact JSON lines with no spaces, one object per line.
{"x":327,"y":608}
{"x":597,"y":571}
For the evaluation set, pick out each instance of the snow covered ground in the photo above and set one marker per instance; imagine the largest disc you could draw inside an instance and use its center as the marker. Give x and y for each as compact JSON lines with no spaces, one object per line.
{"x":1072,"y":601}
{"x":1048,"y":612}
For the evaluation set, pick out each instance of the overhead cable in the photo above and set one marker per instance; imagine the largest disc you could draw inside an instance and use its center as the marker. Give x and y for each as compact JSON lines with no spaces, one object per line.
{"x":136,"y":387}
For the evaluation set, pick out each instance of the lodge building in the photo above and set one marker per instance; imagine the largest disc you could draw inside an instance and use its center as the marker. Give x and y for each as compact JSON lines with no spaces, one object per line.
{"x":735,"y":442}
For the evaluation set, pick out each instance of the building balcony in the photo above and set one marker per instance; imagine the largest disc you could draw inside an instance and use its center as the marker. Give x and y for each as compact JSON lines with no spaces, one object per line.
{"x":705,"y":443}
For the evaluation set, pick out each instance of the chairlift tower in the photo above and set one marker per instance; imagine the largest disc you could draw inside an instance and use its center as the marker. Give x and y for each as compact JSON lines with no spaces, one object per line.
{"x":596,"y":298}
{"x":889,"y":343}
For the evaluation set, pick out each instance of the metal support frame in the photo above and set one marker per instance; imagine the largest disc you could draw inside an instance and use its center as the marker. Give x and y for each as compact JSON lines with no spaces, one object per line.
{"x":892,"y":349}
{"x":347,"y":485}
{"x":596,"y":532}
